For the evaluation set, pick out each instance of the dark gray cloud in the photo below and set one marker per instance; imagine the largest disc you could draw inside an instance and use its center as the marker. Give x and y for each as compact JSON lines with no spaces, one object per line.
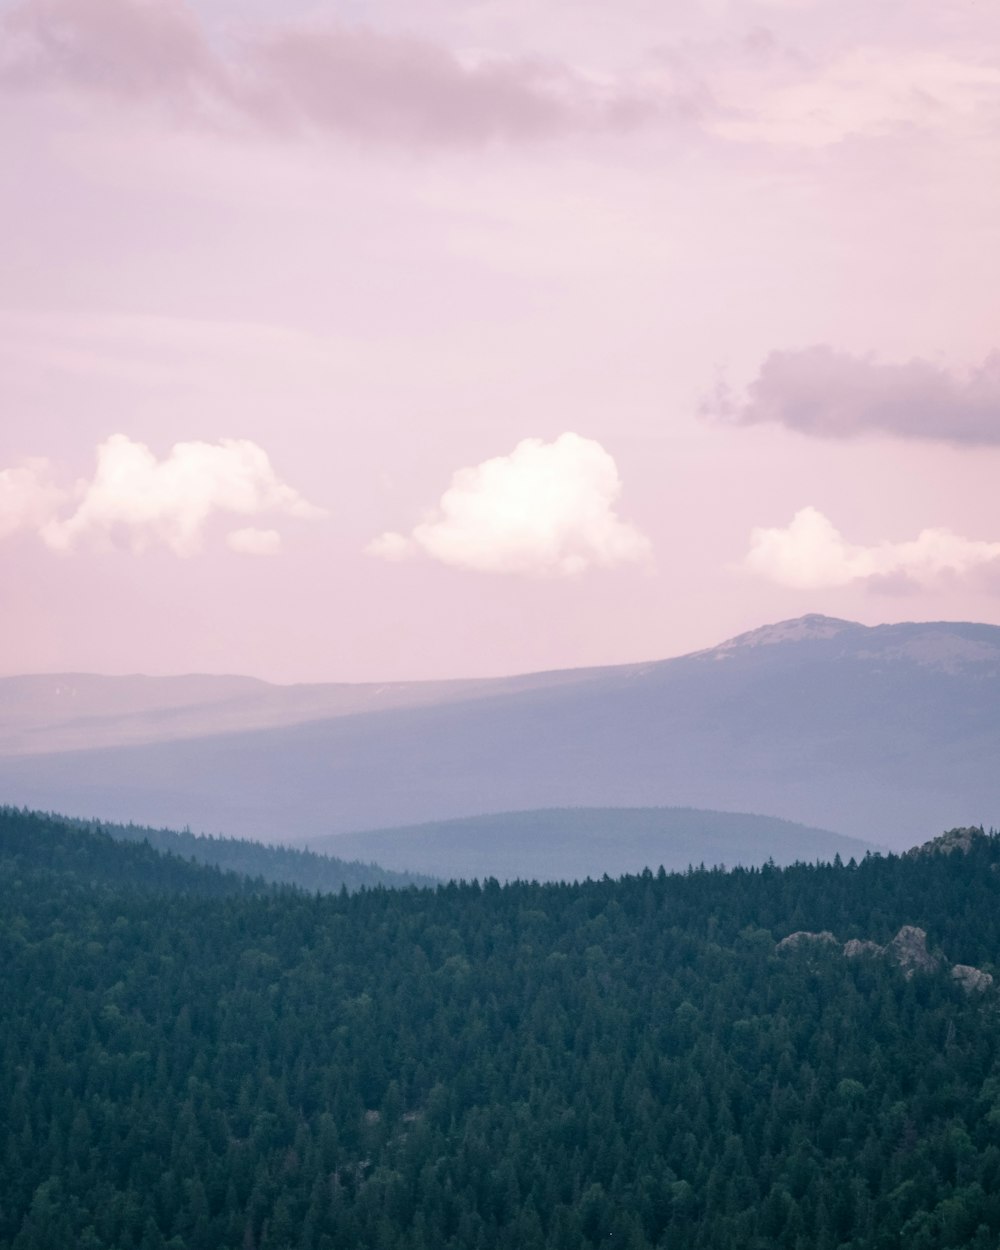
{"x":830,"y":394}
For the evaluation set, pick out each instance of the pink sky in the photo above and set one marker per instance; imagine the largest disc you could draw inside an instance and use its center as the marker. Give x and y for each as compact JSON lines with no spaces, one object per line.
{"x":345,"y":342}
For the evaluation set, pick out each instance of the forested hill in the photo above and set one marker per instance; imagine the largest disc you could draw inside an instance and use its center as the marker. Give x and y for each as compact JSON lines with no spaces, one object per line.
{"x":278,"y":865}
{"x":641,"y":1063}
{"x":54,"y":853}
{"x":569,"y":844}
{"x":282,"y":865}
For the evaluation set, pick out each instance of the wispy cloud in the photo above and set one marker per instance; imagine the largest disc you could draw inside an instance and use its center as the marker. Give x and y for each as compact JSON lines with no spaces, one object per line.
{"x":868,"y":91}
{"x":820,"y":391}
{"x":134,"y":48}
{"x":352,"y":80}
{"x":402,"y":89}
{"x":810,"y":553}
{"x":383,"y":86}
{"x":28,"y":497}
{"x":254,"y":542}
{"x":545,"y":510}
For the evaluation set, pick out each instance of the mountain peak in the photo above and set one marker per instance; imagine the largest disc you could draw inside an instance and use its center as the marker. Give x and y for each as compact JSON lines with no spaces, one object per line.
{"x":807,"y":628}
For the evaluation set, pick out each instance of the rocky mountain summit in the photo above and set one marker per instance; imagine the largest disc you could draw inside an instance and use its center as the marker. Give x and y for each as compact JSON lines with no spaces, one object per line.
{"x":908,"y":950}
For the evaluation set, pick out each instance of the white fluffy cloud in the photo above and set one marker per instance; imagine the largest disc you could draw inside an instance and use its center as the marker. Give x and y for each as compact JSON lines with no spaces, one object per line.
{"x":547,"y":509}
{"x":165,"y":501}
{"x":28,"y":498}
{"x":810,"y":553}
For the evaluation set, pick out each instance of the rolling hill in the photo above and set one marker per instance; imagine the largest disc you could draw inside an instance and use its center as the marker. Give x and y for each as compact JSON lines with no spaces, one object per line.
{"x":571,"y":844}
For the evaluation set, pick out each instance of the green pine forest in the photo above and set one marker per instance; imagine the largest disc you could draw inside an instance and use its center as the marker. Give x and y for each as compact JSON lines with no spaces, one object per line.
{"x":282,"y":865}
{"x":201,"y":1059}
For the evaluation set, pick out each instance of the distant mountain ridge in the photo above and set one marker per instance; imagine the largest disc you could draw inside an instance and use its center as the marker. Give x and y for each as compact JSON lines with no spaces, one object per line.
{"x":572,"y":844}
{"x":888,"y":733}
{"x":41,"y":713}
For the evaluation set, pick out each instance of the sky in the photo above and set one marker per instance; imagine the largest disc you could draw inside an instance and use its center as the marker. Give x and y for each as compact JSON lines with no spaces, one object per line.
{"x":350,"y":341}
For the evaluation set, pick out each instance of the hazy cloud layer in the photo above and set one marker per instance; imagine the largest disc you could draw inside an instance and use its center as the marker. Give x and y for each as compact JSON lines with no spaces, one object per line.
{"x":135,"y":48}
{"x":165,"y":501}
{"x":547,"y":509}
{"x":382,"y":85}
{"x":355,"y":80}
{"x":866,"y":91}
{"x":810,"y":554}
{"x":28,"y":497}
{"x":402,"y":89}
{"x":254,"y":542}
{"x":820,"y":391}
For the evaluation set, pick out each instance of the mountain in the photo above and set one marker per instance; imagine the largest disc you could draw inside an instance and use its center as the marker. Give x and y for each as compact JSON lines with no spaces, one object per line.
{"x":42,"y":713}
{"x":571,"y":844}
{"x":888,"y":733}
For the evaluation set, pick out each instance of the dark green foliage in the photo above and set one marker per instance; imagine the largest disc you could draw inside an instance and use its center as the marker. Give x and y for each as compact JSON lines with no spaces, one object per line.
{"x":619,"y":1063}
{"x":281,"y":865}
{"x":284,"y":865}
{"x":64,"y":852}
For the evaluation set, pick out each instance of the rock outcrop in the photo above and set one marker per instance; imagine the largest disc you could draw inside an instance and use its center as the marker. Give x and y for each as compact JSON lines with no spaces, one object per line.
{"x":909,"y":949}
{"x":954,"y":840}
{"x":804,"y":938}
{"x":972,"y":980}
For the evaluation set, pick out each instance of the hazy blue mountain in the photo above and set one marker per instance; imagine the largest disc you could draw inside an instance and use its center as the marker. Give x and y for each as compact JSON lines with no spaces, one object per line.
{"x":567,"y":844}
{"x":890,"y":734}
{"x":42,"y":713}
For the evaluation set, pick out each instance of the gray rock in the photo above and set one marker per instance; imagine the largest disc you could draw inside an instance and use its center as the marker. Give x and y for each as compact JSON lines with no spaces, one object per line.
{"x":971,"y":979}
{"x":858,"y":946}
{"x":804,"y":938}
{"x":909,"y":949}
{"x":954,"y":840}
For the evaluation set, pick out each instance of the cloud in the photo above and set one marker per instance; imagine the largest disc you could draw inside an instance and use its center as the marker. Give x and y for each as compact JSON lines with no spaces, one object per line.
{"x":170,"y":501}
{"x":867,"y":91}
{"x":134,"y":48}
{"x":352,"y":80}
{"x":401,"y":89}
{"x":545,"y":510}
{"x":381,"y":86}
{"x":28,"y":498}
{"x":254,"y":542}
{"x":817,"y":390}
{"x":811,"y":554}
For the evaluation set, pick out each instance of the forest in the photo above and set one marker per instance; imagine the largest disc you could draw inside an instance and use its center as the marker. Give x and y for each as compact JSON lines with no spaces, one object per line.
{"x":281,"y":865}
{"x":197,"y":1059}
